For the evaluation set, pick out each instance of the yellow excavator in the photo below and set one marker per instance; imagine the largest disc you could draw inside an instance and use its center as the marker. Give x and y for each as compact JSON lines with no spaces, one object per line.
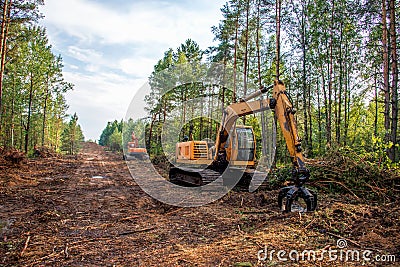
{"x":235,"y":146}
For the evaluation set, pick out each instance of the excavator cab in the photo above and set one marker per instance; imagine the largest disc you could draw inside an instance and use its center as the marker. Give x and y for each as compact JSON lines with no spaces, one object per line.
{"x":241,"y":146}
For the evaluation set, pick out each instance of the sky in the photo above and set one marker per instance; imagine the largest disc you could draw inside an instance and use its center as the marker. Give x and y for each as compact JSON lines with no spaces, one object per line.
{"x":109,"y":48}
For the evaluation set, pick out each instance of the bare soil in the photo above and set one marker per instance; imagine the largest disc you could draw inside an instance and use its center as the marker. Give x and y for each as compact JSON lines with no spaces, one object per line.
{"x":88,"y":211}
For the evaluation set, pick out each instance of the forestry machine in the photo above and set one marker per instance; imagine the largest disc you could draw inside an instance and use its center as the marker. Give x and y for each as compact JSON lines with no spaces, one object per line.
{"x":235,"y":147}
{"x":133,"y":149}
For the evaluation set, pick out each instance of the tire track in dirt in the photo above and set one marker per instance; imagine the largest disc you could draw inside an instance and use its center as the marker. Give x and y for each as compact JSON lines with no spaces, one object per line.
{"x":63,"y":217}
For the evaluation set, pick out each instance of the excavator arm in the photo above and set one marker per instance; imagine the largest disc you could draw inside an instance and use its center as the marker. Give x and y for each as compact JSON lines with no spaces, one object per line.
{"x":284,"y":112}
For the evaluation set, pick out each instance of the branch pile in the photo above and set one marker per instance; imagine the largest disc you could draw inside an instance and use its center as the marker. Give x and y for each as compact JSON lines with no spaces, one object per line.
{"x":45,"y":152}
{"x":353,"y":174}
{"x":13,"y":155}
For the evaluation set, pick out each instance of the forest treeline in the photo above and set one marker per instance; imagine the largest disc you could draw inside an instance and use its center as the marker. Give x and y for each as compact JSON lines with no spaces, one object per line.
{"x":338,"y":59}
{"x":32,"y":87}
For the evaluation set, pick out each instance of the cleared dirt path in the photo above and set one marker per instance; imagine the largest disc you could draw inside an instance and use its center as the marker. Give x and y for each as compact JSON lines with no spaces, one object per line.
{"x":88,"y":211}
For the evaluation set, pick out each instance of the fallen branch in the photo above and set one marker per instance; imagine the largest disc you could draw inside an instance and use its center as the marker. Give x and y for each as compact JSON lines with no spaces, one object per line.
{"x":308,"y":225}
{"x":174,"y":211}
{"x":129,"y":218}
{"x":378,"y":191}
{"x":136,"y":231}
{"x":26,"y":245}
{"x":341,"y":184}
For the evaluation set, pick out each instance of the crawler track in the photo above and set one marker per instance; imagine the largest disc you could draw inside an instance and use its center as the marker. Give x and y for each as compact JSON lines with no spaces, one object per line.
{"x":251,"y":179}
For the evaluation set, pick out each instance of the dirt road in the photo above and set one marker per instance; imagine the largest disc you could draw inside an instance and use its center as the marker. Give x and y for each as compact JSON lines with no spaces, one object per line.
{"x":88,"y":211}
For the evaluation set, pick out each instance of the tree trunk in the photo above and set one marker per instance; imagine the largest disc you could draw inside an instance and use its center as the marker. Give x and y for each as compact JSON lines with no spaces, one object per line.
{"x":263,"y":117}
{"x":183,"y":98}
{"x":304,"y":82}
{"x":395,"y":76}
{"x":278,"y":37}
{"x":46,"y":96}
{"x":3,"y":50}
{"x":385,"y":90}
{"x":235,"y":55}
{"x":339,"y":112}
{"x":246,"y":52}
{"x":330,"y":81}
{"x":153,"y":119}
{"x":246,"y":49}
{"x":326,"y":104}
{"x":376,"y":104}
{"x":12,"y":121}
{"x":258,"y":45}
{"x":211,"y":113}
{"x":21,"y":132}
{"x":310,"y":141}
{"x":28,"y":123}
{"x":164,"y":108}
{"x":44,"y":119}
{"x":346,"y":98}
{"x":13,"y":114}
{"x":319,"y":117}
{"x":201,"y":115}
{"x":347,"y":114}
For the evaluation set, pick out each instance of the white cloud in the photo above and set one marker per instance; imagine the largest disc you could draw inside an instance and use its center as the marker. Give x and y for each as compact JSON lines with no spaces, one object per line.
{"x":102,"y":90}
{"x":139,"y":66}
{"x":98,"y":98}
{"x":73,"y":67}
{"x":84,"y":55}
{"x":143,"y":22}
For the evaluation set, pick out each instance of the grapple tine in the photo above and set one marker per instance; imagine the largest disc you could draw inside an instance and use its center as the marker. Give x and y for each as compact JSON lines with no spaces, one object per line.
{"x":293,"y":193}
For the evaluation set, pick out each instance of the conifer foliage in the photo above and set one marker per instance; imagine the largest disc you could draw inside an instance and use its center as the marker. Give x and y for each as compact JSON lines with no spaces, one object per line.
{"x":32,"y":86}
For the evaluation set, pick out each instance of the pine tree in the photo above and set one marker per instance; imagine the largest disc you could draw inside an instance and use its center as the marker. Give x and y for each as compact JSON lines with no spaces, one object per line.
{"x":72,"y":136}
